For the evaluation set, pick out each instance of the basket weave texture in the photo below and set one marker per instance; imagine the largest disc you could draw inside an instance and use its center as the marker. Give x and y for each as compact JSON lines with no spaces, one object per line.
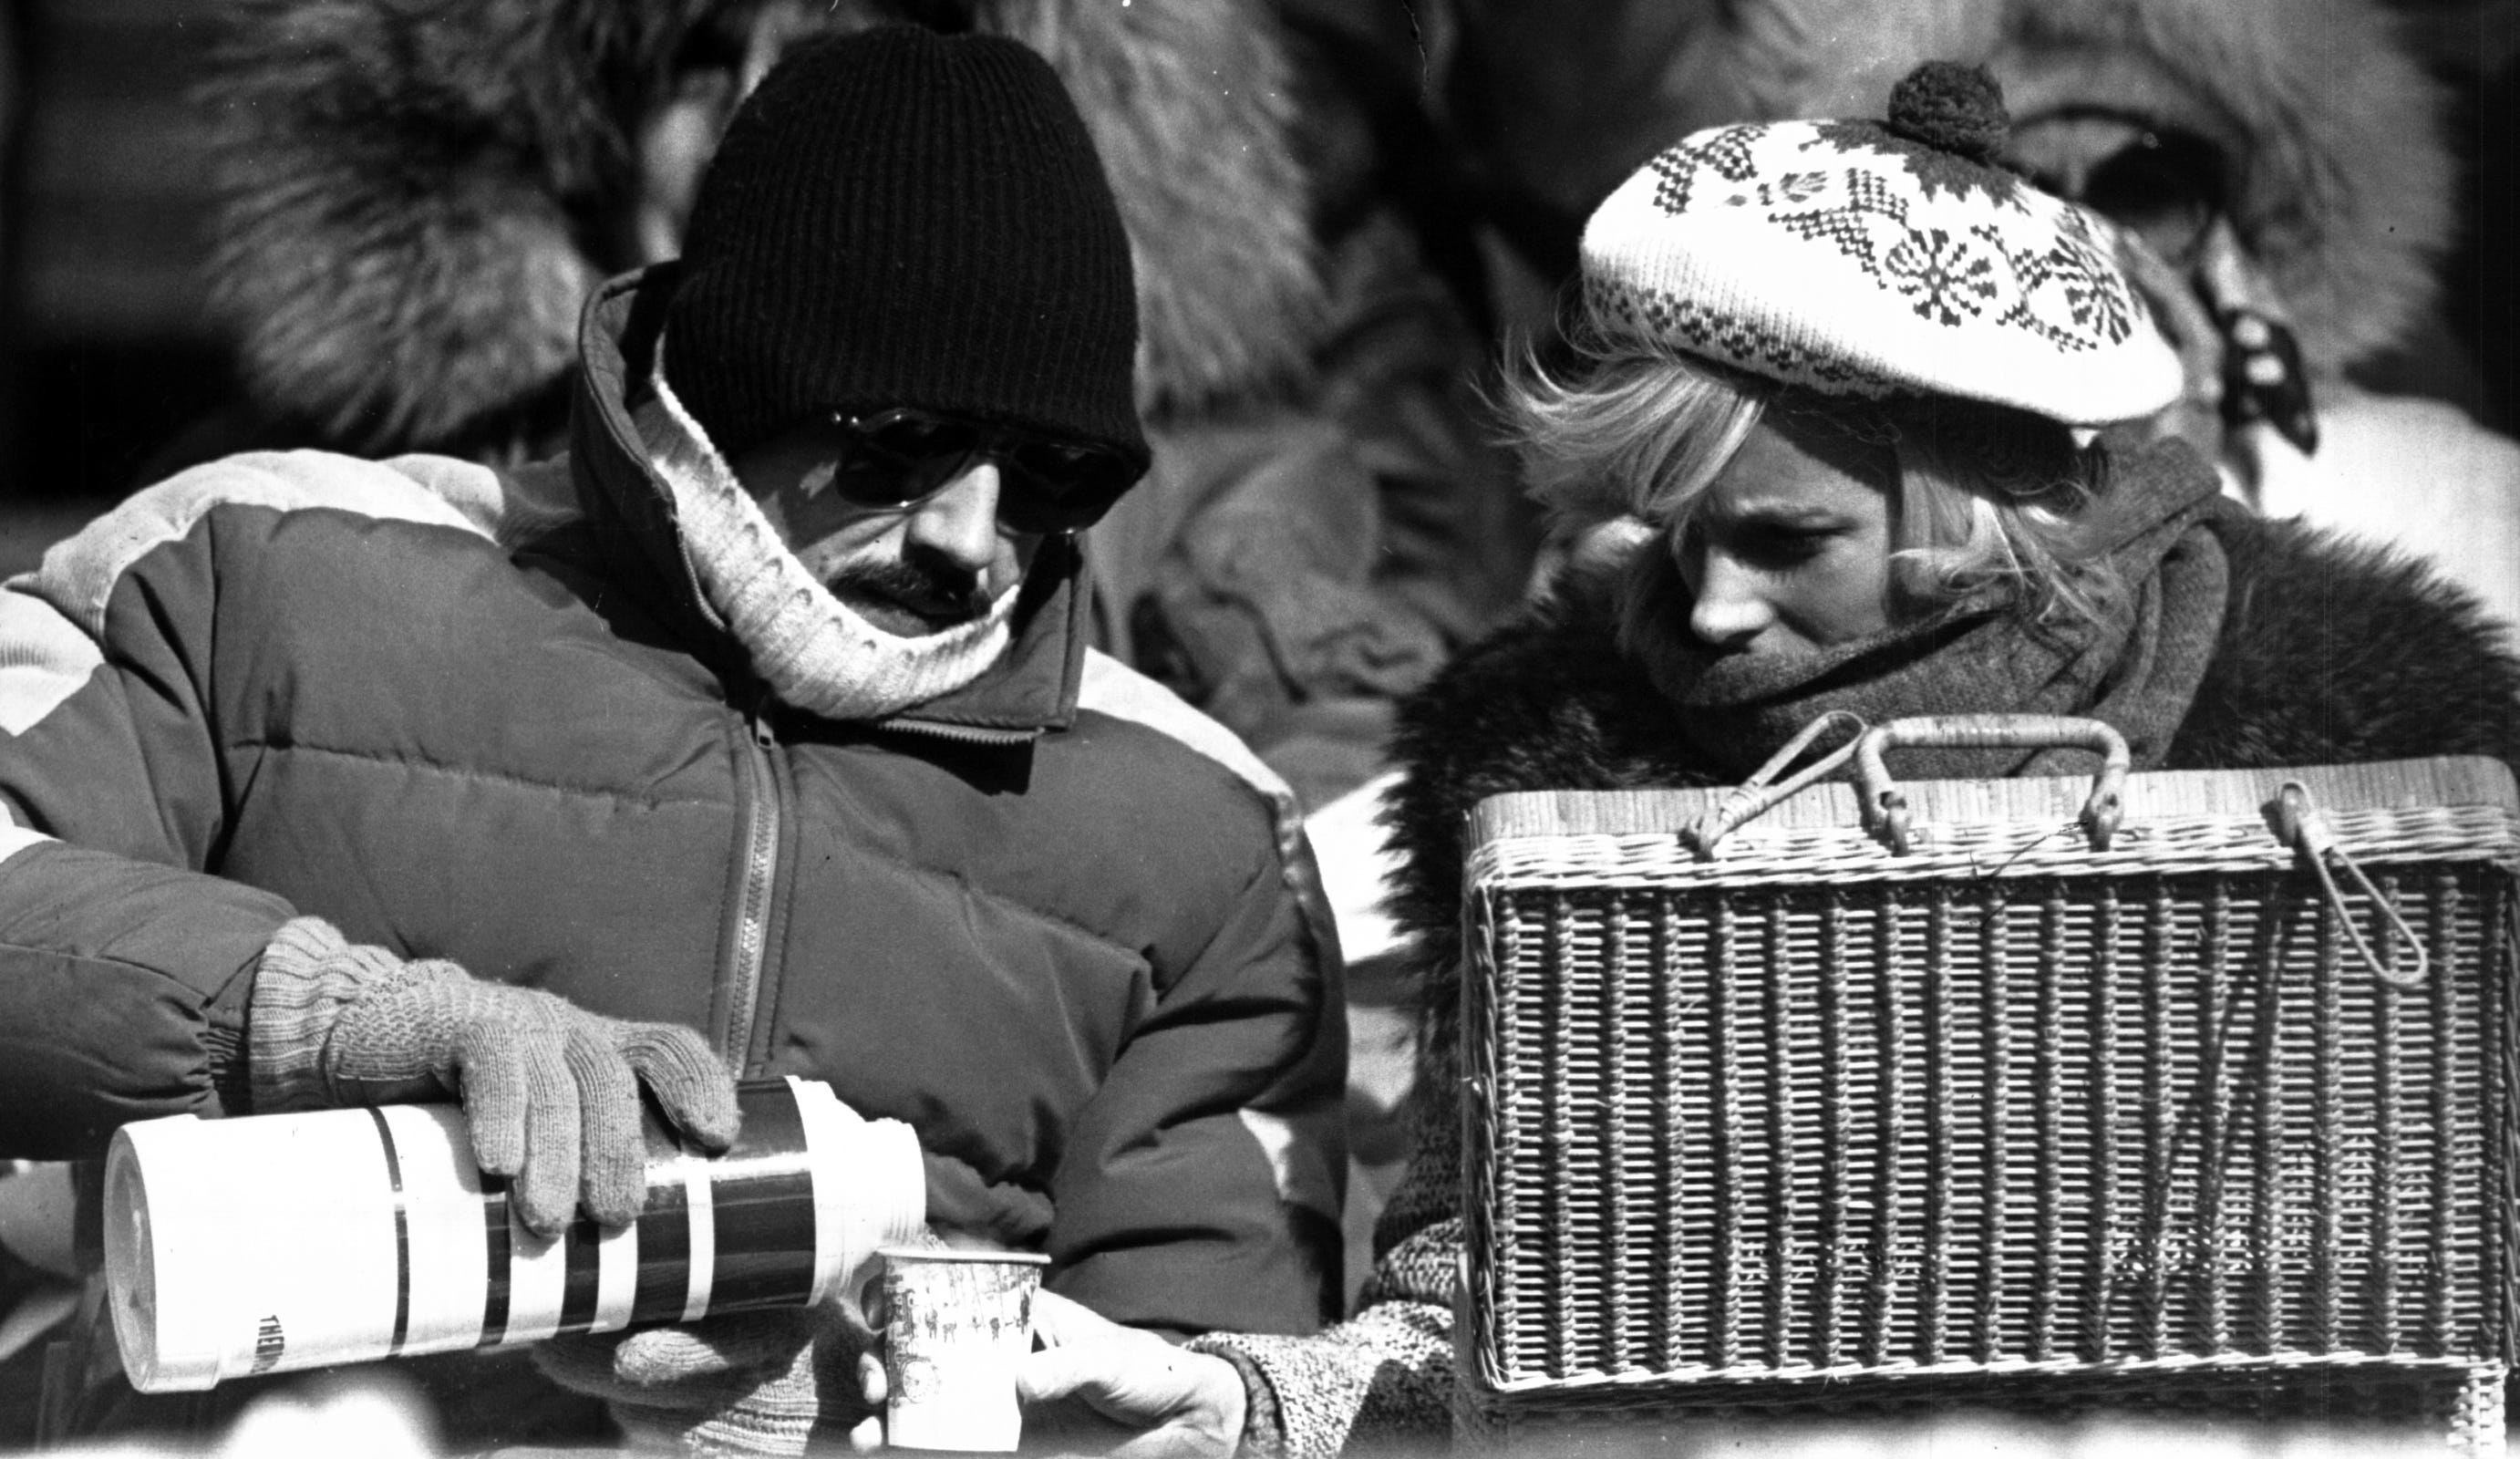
{"x":1809,"y":1113}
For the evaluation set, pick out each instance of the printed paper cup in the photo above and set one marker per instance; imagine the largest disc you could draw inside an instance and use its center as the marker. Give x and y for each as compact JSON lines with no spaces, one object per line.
{"x":957,"y":1323}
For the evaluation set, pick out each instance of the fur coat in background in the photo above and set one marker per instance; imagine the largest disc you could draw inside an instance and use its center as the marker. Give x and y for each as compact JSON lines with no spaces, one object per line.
{"x":414,"y":201}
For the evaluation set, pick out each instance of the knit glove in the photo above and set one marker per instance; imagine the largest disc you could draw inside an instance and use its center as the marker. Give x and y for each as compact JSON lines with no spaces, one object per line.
{"x":749,"y":1383}
{"x":550,"y":1091}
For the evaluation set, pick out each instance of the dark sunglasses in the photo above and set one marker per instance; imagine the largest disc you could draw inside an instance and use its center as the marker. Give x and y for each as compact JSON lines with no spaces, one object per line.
{"x":902,"y":456}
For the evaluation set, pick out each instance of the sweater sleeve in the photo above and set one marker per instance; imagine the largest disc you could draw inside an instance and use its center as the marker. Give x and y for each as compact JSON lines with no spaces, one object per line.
{"x":1385,"y":1375}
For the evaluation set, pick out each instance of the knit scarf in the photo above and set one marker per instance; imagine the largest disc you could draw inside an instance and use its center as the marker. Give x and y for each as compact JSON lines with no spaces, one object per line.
{"x":813,"y":652}
{"x":2137,"y":666}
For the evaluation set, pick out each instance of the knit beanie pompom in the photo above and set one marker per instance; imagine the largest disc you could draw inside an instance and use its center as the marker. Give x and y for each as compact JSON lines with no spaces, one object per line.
{"x":1959,"y":109}
{"x":1880,"y":258}
{"x":897,"y":217}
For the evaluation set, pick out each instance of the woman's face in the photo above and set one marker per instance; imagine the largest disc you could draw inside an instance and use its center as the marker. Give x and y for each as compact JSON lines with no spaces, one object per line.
{"x":1787,"y":550}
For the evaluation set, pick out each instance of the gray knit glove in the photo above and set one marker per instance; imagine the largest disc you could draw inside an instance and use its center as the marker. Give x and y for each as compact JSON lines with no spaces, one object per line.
{"x":550,"y":1091}
{"x":770,"y":1382}
{"x":774,"y":1382}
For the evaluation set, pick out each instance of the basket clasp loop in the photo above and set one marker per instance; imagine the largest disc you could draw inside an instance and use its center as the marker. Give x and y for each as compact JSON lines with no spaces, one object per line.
{"x":2297,"y":823}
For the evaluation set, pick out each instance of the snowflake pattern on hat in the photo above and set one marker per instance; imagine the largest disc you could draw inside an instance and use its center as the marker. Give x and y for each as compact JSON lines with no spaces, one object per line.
{"x":1724,"y":152}
{"x":2086,"y":283}
{"x":1947,"y":277}
{"x":1946,"y":280}
{"x":1841,"y":256}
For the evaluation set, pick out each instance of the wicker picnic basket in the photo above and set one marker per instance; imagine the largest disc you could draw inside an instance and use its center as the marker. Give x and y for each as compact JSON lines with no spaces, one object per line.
{"x":2154,"y":1084}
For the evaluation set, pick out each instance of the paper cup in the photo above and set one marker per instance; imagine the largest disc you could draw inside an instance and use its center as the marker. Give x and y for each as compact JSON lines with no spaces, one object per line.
{"x":955,"y":1325}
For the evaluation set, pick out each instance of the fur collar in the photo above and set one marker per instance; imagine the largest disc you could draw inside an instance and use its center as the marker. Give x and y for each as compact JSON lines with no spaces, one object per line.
{"x":414,"y":201}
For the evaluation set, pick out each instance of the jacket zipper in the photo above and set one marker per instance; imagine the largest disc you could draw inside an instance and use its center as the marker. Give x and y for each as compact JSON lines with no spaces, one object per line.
{"x":961,"y":734}
{"x":761,"y":815}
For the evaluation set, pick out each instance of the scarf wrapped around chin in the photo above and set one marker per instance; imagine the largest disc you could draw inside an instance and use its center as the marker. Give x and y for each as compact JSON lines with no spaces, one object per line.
{"x":2137,"y":668}
{"x":811,"y":649}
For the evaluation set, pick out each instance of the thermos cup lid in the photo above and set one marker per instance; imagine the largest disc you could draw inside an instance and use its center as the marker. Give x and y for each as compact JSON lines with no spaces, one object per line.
{"x":165,"y":1348}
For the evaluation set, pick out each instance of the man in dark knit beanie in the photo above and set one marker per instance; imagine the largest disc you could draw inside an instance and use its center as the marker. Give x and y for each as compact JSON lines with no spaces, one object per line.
{"x":900,"y":218}
{"x":905,"y":319}
{"x":756,"y":736}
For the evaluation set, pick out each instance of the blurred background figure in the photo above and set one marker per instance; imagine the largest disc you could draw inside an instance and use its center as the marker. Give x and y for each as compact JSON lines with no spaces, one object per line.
{"x":104,"y":348}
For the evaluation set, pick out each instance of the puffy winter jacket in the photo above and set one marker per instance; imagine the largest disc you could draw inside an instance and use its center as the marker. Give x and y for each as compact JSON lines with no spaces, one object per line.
{"x":1053,"y":920}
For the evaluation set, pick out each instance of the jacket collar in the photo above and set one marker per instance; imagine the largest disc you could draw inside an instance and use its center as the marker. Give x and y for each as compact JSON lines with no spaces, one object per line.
{"x":1033,"y":688}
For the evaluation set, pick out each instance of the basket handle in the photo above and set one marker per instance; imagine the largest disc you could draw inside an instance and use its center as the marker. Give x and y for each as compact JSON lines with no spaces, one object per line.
{"x":1885,"y":806}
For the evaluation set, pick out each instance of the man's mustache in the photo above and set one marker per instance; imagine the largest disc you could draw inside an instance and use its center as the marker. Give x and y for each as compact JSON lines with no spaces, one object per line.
{"x":934,"y":590}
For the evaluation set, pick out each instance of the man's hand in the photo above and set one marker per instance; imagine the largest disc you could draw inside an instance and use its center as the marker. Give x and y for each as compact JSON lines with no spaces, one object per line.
{"x":1095,"y":1387}
{"x":551,"y":1092}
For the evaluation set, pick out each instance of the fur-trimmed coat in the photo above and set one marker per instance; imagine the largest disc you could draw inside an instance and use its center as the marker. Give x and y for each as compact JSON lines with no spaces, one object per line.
{"x":415,"y":199}
{"x":2329,"y":651}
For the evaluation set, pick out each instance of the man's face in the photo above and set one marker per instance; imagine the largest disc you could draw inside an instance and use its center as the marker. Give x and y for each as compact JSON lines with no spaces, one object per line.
{"x":910,"y":569}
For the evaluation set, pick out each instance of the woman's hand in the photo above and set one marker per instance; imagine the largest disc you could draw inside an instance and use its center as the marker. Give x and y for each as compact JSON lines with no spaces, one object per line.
{"x":1094,"y":1386}
{"x":1097,"y":1387}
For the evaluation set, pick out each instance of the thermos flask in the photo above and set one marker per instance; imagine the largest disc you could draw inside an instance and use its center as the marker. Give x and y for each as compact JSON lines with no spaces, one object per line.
{"x":270,"y":1243}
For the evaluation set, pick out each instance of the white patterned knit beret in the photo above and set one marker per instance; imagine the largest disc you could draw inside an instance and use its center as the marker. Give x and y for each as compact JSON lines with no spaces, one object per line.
{"x":1864,"y":258}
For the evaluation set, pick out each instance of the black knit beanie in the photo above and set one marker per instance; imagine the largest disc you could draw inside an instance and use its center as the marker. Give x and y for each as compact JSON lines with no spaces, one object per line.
{"x":899,"y":217}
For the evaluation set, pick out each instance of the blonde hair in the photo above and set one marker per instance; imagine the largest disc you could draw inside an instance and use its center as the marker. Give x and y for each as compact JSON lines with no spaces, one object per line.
{"x":1988,"y":501}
